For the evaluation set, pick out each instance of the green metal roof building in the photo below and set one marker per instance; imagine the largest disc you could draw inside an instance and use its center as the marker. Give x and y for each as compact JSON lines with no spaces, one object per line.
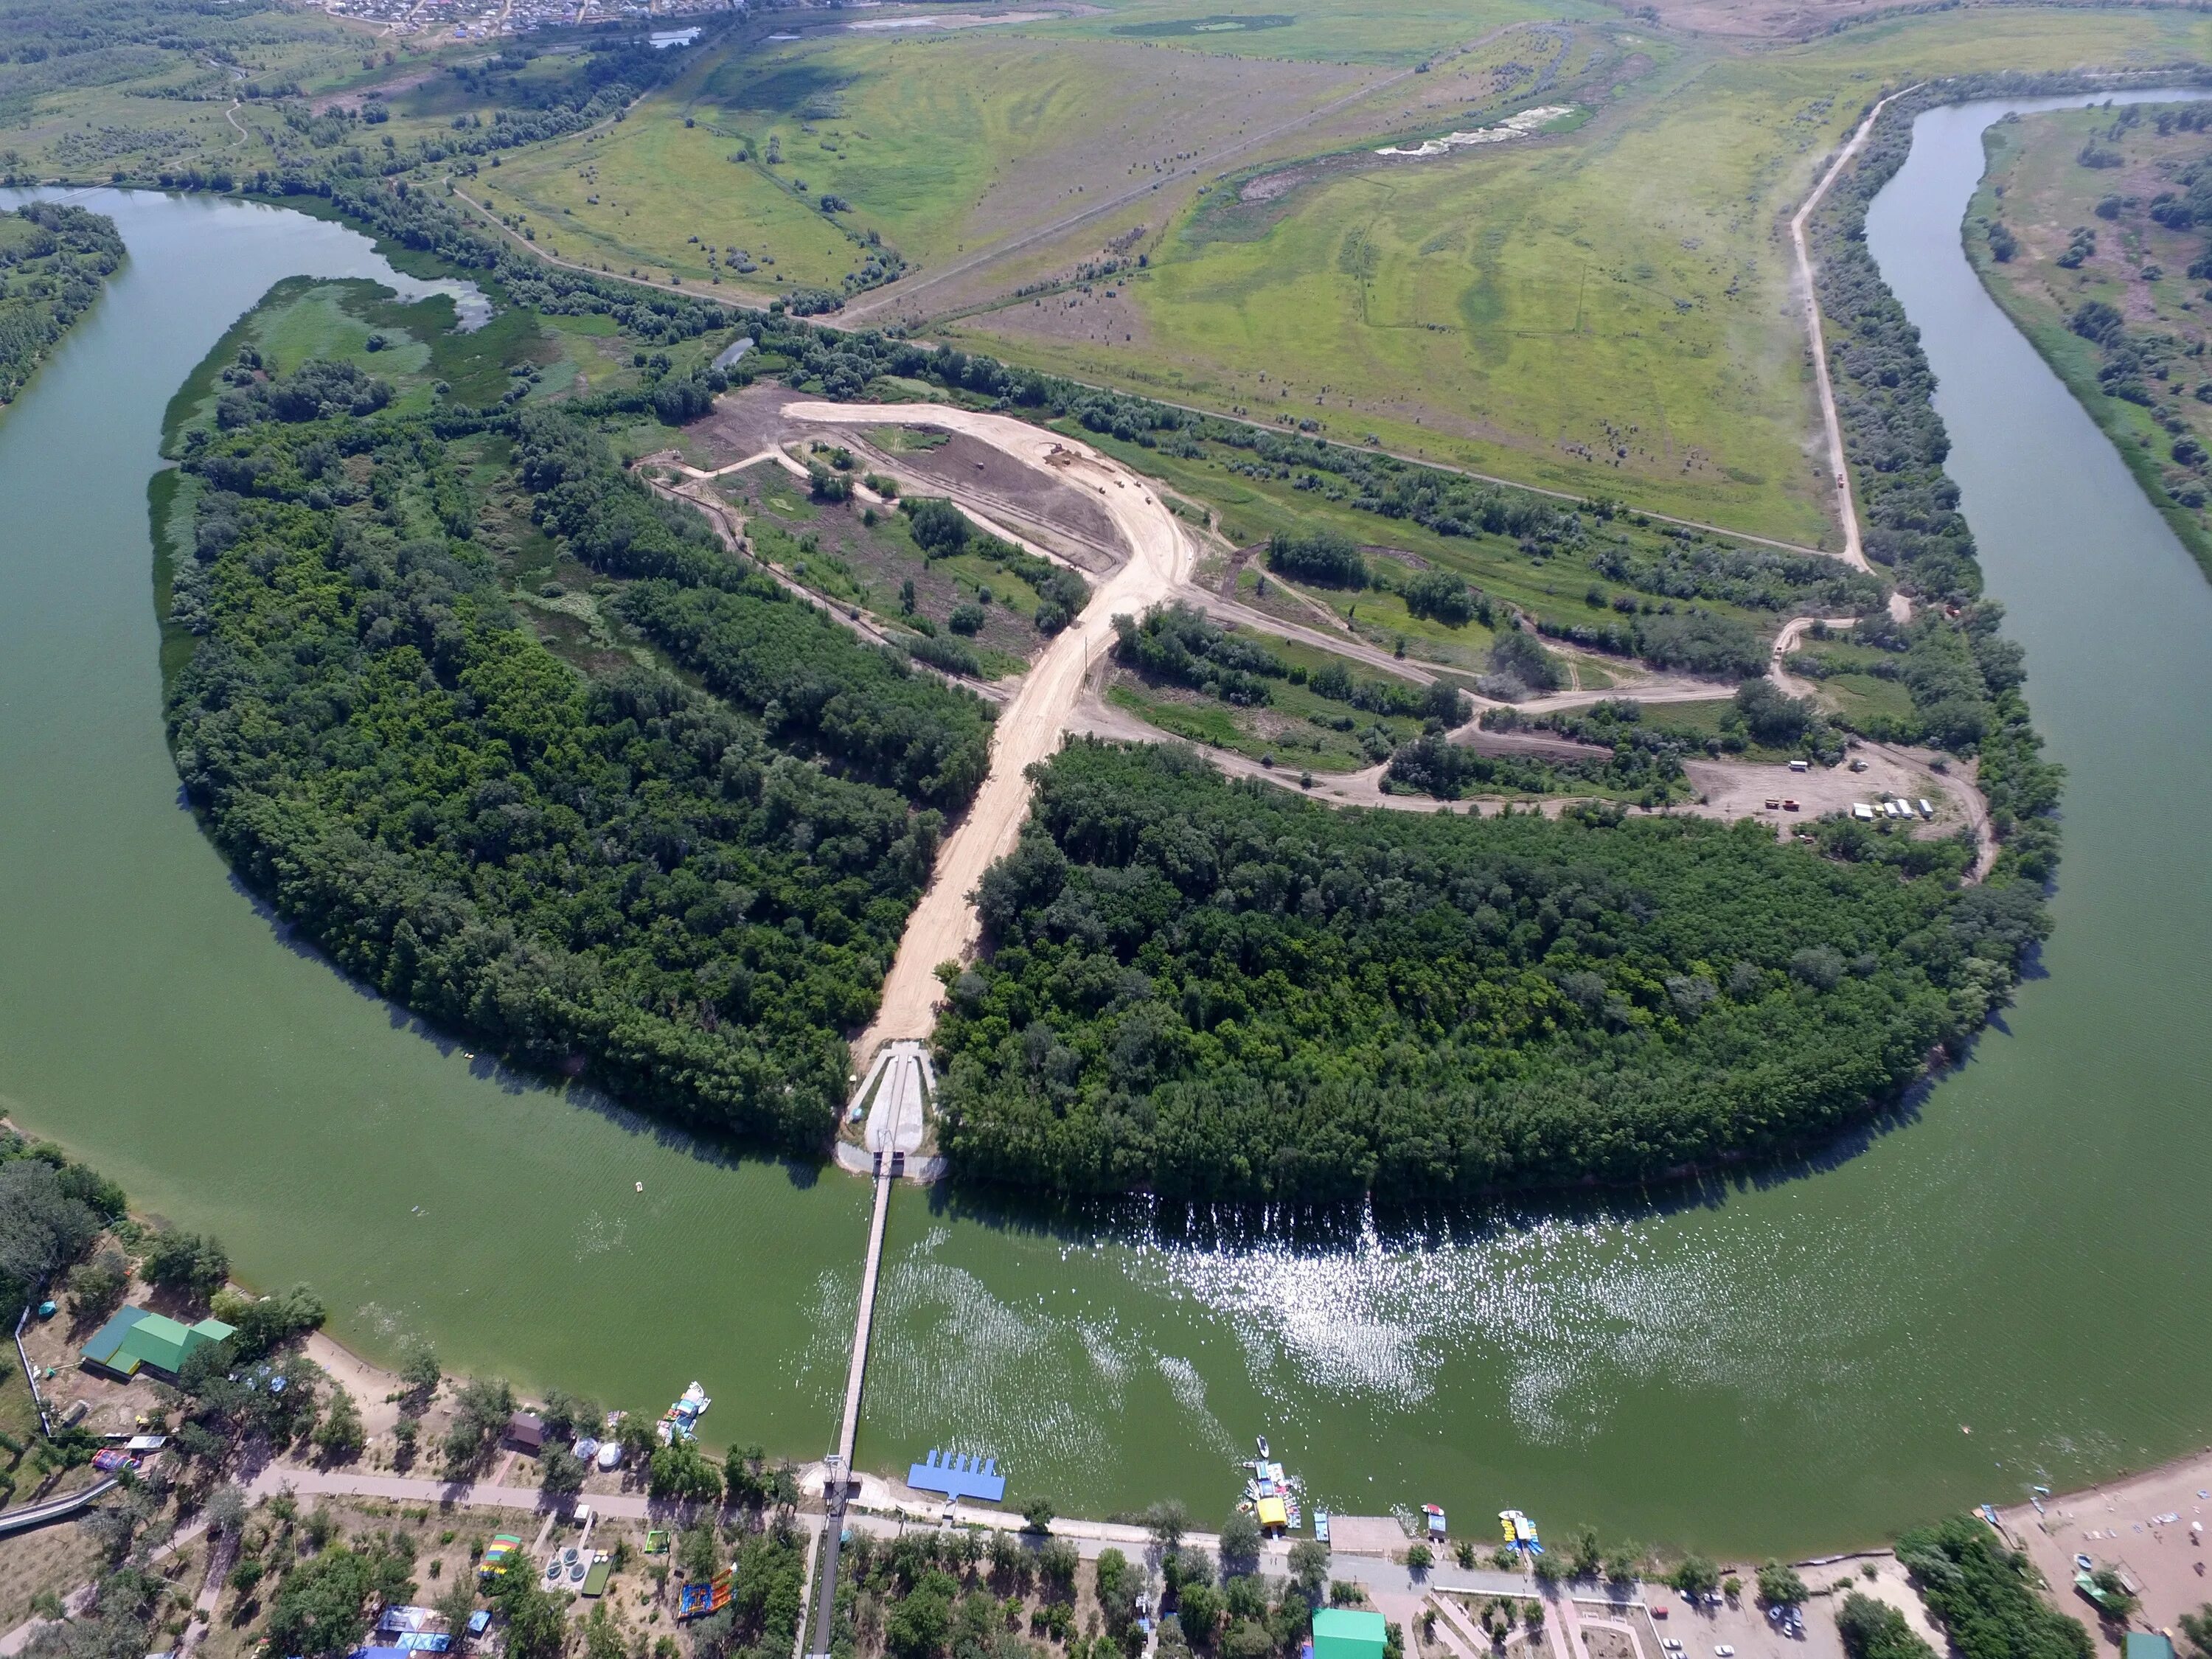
{"x":1343,"y":1633}
{"x":2144,"y":1644}
{"x":136,"y":1339}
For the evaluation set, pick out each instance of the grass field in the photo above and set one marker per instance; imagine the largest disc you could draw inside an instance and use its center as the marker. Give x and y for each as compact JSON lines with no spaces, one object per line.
{"x":940,"y":144}
{"x":656,"y":198}
{"x":2041,"y":191}
{"x":1398,"y":35}
{"x":1539,"y":309}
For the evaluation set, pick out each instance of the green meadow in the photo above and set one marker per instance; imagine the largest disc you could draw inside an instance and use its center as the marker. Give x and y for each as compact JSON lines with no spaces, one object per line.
{"x":1606,"y":311}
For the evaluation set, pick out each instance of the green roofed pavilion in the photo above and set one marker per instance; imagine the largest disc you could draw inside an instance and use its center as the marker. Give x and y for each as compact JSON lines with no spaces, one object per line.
{"x":1344,"y":1633}
{"x":136,"y":1338}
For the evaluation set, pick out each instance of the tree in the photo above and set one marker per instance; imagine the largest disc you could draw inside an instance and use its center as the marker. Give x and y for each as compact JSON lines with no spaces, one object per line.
{"x":1420,"y":1557}
{"x":458,"y":1601}
{"x":2196,"y":1630}
{"x":1695,"y":1576}
{"x":419,"y":1376}
{"x":1117,"y":1590}
{"x":2119,"y":1601}
{"x":1732,"y":1587}
{"x":339,"y":1436}
{"x":192,"y":1264}
{"x":1240,"y":1544}
{"x":560,"y":1475}
{"x":1773,"y":717}
{"x":1324,"y":555}
{"x":567,"y":1416}
{"x":481,"y":1411}
{"x":42,"y":1228}
{"x":1036,"y":1515}
{"x":1874,"y":1630}
{"x":97,"y":1287}
{"x":537,"y":1628}
{"x":321,"y":1608}
{"x":918,"y":1627}
{"x":1517,"y":657}
{"x":1584,"y":1551}
{"x":745,"y":1476}
{"x":1199,"y":1606}
{"x":783,"y":1489}
{"x":1310,"y":1567}
{"x":680,"y":1472}
{"x":697,"y":1554}
{"x":1057,"y":1561}
{"x":1780,"y":1586}
{"x":1623,"y":1562}
{"x":636,"y":1435}
{"x":1167,"y":1521}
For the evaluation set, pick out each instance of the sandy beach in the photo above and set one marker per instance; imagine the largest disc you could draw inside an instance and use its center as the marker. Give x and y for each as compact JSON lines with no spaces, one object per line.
{"x":2141,"y":1522}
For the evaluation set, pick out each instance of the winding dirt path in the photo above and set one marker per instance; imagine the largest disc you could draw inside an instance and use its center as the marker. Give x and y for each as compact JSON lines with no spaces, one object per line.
{"x":945,"y":926}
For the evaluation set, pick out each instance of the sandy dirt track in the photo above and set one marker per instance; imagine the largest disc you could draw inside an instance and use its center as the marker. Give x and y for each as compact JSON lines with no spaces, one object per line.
{"x":944,"y":925}
{"x":1846,"y":507}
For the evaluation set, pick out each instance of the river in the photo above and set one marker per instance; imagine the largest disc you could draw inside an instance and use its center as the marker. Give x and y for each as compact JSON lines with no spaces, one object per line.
{"x":2001,"y":1291}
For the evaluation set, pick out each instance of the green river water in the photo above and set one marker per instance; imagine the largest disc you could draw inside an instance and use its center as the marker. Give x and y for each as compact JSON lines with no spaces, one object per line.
{"x":1784,"y":1362}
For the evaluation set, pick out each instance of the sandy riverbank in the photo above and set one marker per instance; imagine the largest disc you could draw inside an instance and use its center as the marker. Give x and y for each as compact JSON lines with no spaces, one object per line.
{"x":2141,"y":1522}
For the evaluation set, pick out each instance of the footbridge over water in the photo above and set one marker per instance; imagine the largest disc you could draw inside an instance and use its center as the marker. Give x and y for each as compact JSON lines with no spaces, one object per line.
{"x":895,"y":1093}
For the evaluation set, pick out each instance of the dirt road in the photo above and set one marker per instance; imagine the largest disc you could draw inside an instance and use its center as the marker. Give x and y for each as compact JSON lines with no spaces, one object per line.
{"x":1846,"y":508}
{"x":944,"y":925}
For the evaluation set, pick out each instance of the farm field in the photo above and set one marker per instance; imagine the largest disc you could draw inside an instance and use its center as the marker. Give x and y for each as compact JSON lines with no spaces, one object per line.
{"x":2096,"y":213}
{"x":1607,"y":309}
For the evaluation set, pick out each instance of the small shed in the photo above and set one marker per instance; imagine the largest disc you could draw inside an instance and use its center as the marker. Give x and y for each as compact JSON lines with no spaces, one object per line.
{"x":2147,"y":1644}
{"x":1348,"y":1633}
{"x":525,"y":1431}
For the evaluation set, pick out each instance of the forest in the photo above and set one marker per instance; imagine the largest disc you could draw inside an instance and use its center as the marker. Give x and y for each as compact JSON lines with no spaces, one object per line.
{"x":54,"y":262}
{"x":821,"y":690}
{"x":1210,"y":990}
{"x":619,"y":879}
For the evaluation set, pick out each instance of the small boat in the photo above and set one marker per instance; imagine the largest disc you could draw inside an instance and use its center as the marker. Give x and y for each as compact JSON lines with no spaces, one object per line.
{"x":1320,"y":1525}
{"x":1263,"y":1446}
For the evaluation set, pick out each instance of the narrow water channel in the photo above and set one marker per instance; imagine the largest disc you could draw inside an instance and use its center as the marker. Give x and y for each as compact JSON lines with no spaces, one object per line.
{"x":1785,"y":1363}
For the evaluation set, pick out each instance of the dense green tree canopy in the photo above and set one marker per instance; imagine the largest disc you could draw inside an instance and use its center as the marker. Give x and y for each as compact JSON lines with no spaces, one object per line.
{"x":620,"y":877}
{"x":1980,"y":1594}
{"x":1216,"y":990}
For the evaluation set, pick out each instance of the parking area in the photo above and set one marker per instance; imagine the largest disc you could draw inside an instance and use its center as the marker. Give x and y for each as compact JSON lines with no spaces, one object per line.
{"x":1709,"y":1633}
